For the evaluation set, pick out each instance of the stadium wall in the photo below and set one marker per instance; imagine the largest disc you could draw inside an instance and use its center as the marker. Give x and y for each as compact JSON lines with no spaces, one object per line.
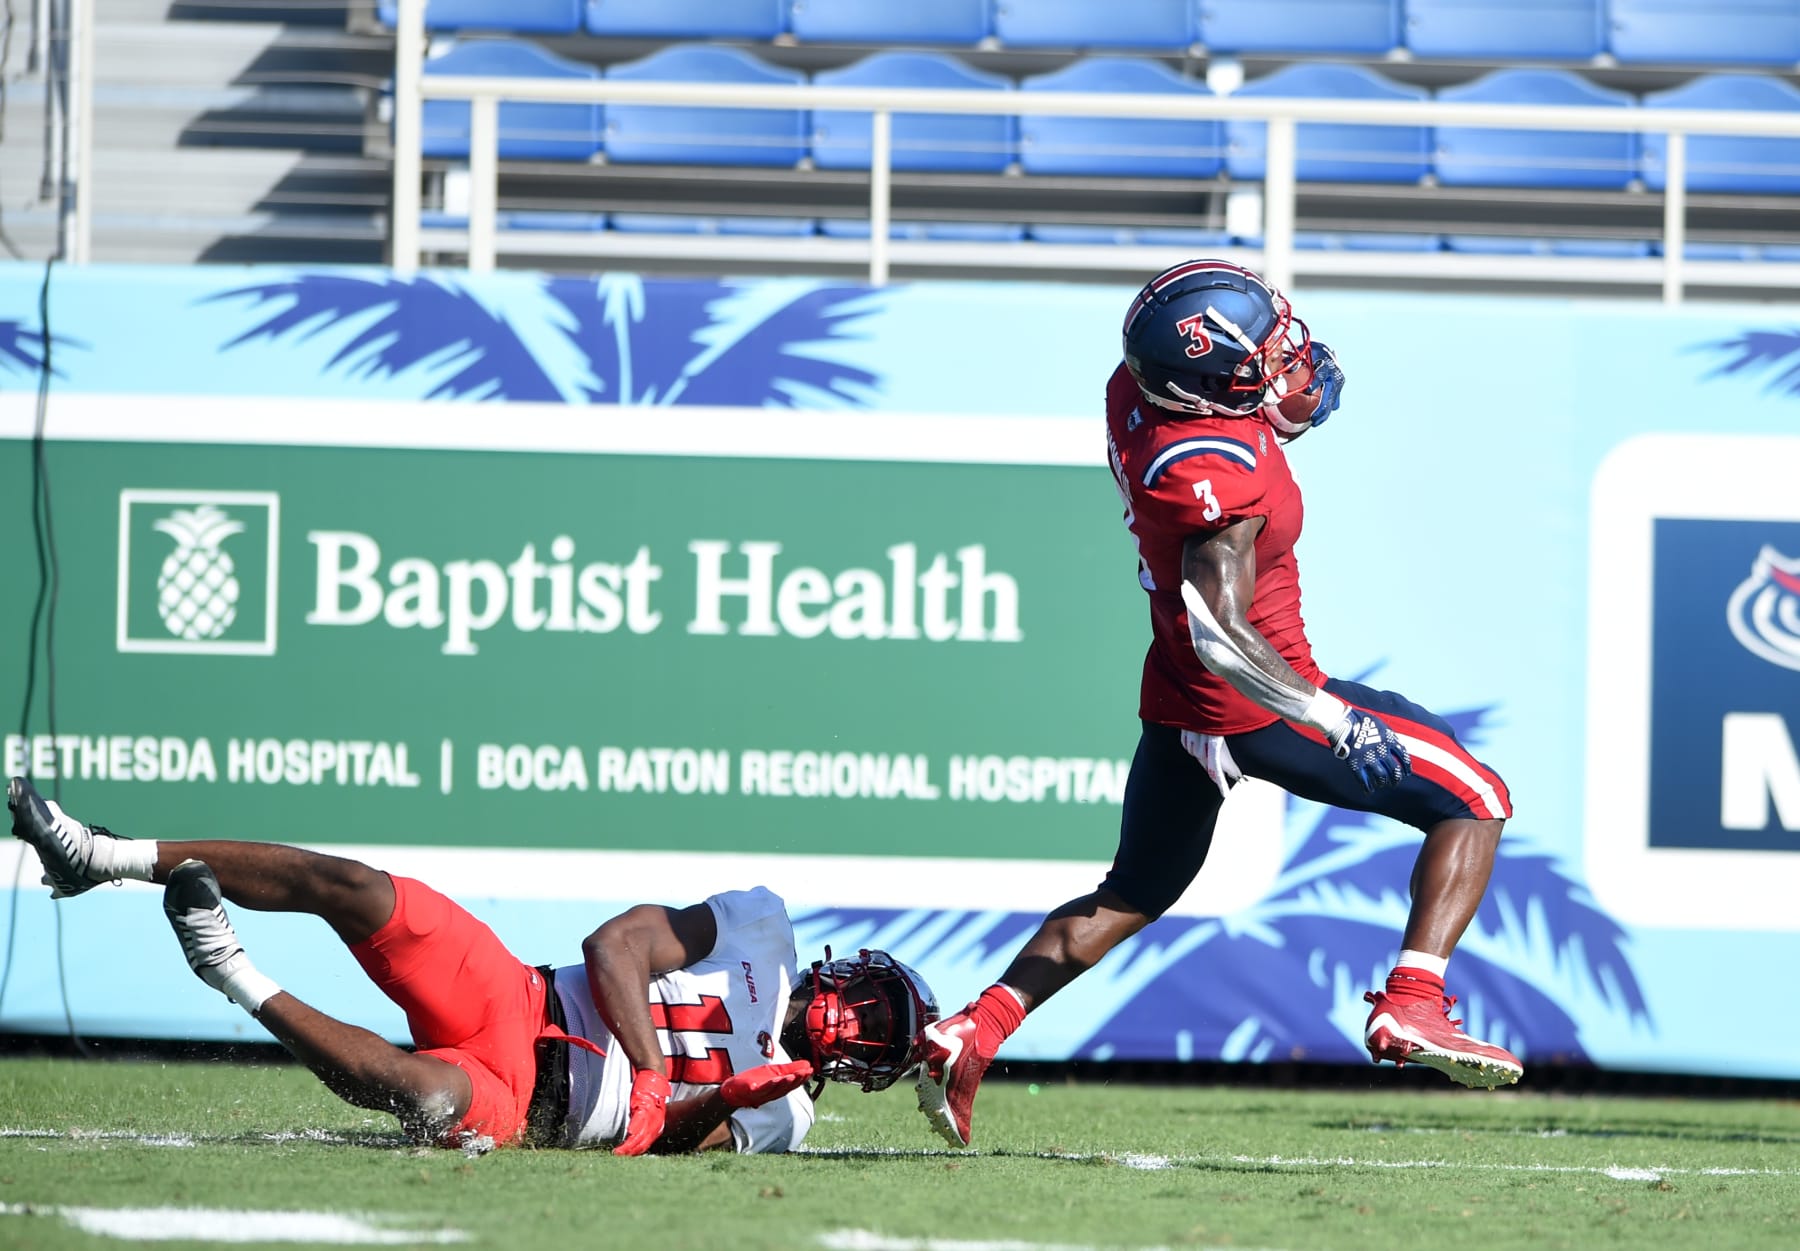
{"x":568,"y":593}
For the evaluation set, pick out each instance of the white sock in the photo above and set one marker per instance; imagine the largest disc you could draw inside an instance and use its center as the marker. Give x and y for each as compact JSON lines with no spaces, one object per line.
{"x":116,"y":858}
{"x":246,"y":987}
{"x":1424,"y":961}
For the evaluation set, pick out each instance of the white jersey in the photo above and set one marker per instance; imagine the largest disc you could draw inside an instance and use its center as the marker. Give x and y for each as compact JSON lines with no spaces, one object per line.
{"x":714,"y":1018}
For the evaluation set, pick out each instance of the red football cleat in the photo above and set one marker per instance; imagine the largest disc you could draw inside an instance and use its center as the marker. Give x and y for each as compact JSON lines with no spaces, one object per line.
{"x":950,"y":1070}
{"x":1419,"y":1031}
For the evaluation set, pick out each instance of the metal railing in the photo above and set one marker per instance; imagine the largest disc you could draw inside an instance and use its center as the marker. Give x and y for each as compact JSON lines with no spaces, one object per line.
{"x":1277,"y":258}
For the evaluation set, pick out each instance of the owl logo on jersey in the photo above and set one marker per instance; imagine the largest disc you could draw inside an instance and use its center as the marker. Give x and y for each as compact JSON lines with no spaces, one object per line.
{"x":1764,"y":611}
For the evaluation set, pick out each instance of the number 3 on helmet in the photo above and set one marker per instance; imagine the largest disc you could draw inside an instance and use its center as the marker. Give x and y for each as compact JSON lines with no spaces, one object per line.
{"x":1209,"y":338}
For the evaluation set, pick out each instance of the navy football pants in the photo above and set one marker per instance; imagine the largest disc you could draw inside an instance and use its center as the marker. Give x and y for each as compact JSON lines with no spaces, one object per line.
{"x":1172,"y":807}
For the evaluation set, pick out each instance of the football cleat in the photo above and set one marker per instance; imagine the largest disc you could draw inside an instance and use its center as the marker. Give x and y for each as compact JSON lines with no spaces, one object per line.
{"x":196,"y":909}
{"x":1421,"y":1031}
{"x":64,"y":845}
{"x":950,"y":1068}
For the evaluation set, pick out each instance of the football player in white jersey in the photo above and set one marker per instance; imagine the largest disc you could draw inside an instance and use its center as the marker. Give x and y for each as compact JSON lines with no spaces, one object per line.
{"x":681,"y":1029}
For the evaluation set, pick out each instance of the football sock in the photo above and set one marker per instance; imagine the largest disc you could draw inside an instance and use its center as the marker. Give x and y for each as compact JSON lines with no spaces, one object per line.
{"x":245,"y":986}
{"x":1411,"y":980}
{"x":1410,"y":960}
{"x":997,"y":1014}
{"x":122,"y":858}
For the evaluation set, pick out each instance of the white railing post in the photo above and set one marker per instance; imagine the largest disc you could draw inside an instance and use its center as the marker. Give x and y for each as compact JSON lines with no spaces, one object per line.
{"x":1278,"y":203}
{"x":484,"y":180}
{"x":409,"y":68}
{"x":1674,"y":216}
{"x":81,"y":93}
{"x":881,"y":156}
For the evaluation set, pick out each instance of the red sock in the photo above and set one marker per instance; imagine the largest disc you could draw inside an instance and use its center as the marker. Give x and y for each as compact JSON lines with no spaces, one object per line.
{"x":1408,"y":983}
{"x":996,"y":1015}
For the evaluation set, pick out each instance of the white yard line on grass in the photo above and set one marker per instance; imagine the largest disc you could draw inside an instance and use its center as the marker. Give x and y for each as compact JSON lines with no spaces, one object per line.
{"x":325,"y":1136}
{"x":869,"y":1240}
{"x":222,"y":1225}
{"x":1615,"y":1171}
{"x":1133,"y":1160}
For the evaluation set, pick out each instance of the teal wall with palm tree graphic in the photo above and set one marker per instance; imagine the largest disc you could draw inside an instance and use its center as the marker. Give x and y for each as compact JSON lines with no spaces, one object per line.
{"x":568,"y":592}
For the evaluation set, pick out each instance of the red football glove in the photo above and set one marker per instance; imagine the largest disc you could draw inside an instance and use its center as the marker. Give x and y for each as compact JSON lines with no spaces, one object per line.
{"x":649,"y":1105}
{"x":765,"y":1083}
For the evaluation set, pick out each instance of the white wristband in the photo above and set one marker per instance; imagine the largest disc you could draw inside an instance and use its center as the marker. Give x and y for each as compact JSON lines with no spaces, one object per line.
{"x":1325,"y":713}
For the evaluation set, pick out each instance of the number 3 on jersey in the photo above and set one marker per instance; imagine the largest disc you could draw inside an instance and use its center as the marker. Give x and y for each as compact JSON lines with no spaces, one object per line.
{"x":1209,"y":502}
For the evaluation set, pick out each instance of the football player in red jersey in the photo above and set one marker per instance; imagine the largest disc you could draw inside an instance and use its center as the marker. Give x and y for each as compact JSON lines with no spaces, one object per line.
{"x":1217,"y":375}
{"x":657,"y":1041}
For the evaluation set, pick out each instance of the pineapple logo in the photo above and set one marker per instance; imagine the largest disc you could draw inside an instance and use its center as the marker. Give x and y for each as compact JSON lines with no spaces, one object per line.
{"x":197,"y":571}
{"x":197,"y":590}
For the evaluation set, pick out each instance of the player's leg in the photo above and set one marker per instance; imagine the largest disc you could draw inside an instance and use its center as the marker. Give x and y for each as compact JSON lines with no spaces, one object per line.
{"x":352,"y":898}
{"x":1170,"y":811}
{"x":428,"y":1095}
{"x":1461,"y":805}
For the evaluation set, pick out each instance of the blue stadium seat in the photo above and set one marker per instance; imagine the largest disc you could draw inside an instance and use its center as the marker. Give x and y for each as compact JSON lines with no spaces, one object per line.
{"x":968,"y":143}
{"x":534,"y":17}
{"x":678,"y":135}
{"x":1340,"y":26}
{"x":1363,"y":241}
{"x":1750,"y":32}
{"x":1496,"y":29}
{"x":1332,"y":152}
{"x":891,"y":21}
{"x":698,"y":19}
{"x":1120,"y":146}
{"x":1087,"y":24}
{"x":955,"y":232}
{"x":683,"y":224}
{"x":1522,"y":245}
{"x":528,"y":132}
{"x":1725,"y":162}
{"x":1482,"y":156}
{"x":1195,"y":240}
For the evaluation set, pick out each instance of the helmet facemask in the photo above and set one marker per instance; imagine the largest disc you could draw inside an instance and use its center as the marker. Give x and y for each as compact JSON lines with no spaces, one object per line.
{"x":862,"y":1018}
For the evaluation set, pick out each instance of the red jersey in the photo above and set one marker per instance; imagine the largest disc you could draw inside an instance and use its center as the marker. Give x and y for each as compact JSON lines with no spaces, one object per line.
{"x":1180,"y":475}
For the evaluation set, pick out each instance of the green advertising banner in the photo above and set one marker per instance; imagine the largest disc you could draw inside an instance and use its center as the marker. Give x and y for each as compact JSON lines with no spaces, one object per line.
{"x":591,"y":651}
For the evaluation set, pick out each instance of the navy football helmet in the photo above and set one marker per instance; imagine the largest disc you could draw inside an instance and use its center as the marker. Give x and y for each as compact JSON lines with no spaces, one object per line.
{"x":1208,"y":337}
{"x":862,"y":1018}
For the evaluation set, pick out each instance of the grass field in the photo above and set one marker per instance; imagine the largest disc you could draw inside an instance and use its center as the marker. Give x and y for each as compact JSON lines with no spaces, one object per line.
{"x":263,"y":1153}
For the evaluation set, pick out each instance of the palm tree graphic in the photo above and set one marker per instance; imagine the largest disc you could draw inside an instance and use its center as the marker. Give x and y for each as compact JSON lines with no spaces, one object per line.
{"x":1283,"y":980}
{"x":612,"y":339}
{"x":22,"y":347}
{"x":1775,"y":352}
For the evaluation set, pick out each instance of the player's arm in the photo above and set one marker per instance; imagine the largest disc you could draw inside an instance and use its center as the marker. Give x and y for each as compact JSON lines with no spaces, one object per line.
{"x":697,"y":1124}
{"x":1218,"y":581}
{"x":626,"y":952}
{"x":702,"y":1122}
{"x":621,"y":957}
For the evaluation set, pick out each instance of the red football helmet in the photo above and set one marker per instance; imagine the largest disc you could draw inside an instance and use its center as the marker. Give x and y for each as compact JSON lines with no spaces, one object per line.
{"x":863,"y":1018}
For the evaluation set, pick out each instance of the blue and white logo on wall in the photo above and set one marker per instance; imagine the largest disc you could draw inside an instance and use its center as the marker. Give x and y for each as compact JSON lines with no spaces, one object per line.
{"x":1693,"y":804}
{"x":1719,"y":710}
{"x":1765,"y":609}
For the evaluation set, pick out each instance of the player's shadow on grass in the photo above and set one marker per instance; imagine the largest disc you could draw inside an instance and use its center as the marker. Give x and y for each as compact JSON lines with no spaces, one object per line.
{"x":1668,"y":1130}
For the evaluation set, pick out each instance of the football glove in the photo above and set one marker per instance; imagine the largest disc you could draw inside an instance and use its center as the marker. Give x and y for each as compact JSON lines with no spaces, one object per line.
{"x":765,"y":1083}
{"x":649,"y":1108}
{"x":1372,"y":750}
{"x":1327,"y":382}
{"x":1214,"y":755}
